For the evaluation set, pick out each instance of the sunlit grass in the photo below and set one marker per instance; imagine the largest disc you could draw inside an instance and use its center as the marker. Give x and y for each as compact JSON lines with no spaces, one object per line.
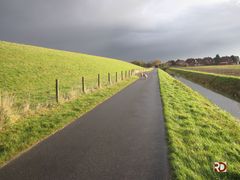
{"x":29,"y":70}
{"x":28,"y":110}
{"x":199,"y":133}
{"x":224,"y":84}
{"x":233,"y":70}
{"x":216,"y":67}
{"x":26,"y":132}
{"x":28,"y":74}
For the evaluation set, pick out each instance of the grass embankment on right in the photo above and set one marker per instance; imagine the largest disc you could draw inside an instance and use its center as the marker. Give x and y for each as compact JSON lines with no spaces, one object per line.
{"x":199,"y":133}
{"x":224,"y":84}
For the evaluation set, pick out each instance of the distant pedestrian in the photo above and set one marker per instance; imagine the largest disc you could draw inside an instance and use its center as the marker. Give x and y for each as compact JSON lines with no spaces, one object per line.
{"x":145,"y":75}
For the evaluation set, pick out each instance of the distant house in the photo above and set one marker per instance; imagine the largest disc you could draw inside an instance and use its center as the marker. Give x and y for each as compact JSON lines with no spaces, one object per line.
{"x":191,"y":62}
{"x":207,"y":61}
{"x":226,"y":60}
{"x":199,"y":61}
{"x":181,"y":63}
{"x":170,"y":63}
{"x":235,"y":59}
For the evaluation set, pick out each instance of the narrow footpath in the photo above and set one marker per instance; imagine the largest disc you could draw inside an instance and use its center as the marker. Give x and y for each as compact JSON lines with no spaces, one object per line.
{"x":123,"y":138}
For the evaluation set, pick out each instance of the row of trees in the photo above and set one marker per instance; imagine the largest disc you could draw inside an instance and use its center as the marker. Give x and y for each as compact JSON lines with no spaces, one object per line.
{"x":230,"y":59}
{"x":155,"y":63}
{"x":217,"y":60}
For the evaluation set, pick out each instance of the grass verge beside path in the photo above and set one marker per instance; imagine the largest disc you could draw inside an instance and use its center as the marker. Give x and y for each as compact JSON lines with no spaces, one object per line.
{"x":27,"y":132}
{"x":224,"y":84}
{"x":199,"y":133}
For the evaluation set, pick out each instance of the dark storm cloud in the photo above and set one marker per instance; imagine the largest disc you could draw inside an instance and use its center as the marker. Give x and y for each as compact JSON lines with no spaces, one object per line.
{"x":136,"y":29}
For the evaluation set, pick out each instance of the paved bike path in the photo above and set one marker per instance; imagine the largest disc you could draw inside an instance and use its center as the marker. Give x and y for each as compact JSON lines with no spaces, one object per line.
{"x":123,"y":138}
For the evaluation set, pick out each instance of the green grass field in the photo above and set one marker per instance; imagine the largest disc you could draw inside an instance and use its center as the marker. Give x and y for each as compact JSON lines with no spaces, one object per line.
{"x":199,"y":133}
{"x":23,"y":134}
{"x":217,"y":67}
{"x":233,"y":70}
{"x":224,"y":84}
{"x":27,"y":77}
{"x":28,"y":73}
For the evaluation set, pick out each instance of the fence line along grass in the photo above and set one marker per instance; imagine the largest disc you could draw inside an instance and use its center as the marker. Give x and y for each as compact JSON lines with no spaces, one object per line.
{"x":224,"y":84}
{"x":21,"y":135}
{"x":199,"y":133}
{"x":28,"y":76}
{"x":11,"y":110}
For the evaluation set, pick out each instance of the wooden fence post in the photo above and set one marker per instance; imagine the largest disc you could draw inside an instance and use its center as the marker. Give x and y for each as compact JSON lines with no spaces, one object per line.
{"x":57,"y":90}
{"x":122,"y":75}
{"x":125,"y":74}
{"x":116,"y":77}
{"x":1,"y":98}
{"x":83,"y":85}
{"x":99,"y":82}
{"x":109,"y":78}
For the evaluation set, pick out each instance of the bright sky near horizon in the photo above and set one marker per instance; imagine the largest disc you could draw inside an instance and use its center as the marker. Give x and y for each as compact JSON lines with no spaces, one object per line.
{"x":126,"y":29}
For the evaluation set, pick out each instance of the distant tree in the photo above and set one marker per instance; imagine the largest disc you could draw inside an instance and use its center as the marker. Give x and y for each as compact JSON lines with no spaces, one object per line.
{"x":149,"y":64}
{"x":217,"y":59}
{"x":138,"y":63}
{"x":142,"y":64}
{"x":235,"y":59}
{"x":156,"y":63}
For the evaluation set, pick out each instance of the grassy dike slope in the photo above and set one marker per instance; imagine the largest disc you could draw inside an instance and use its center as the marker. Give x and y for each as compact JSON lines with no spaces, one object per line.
{"x":199,"y":133}
{"x":224,"y":84}
{"x":30,"y":70}
{"x":28,"y":74}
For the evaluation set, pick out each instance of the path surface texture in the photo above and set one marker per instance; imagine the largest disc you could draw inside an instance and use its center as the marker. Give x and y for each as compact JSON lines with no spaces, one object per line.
{"x":121,"y":139}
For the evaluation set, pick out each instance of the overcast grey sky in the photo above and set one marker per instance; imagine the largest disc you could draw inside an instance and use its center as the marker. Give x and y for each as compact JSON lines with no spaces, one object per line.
{"x":126,"y":29}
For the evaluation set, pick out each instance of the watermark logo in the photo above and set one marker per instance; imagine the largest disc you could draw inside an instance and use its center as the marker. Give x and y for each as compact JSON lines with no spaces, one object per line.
{"x":220,"y":167}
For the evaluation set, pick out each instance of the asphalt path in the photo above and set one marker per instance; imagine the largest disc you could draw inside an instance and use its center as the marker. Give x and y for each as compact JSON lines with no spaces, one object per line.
{"x":123,"y":138}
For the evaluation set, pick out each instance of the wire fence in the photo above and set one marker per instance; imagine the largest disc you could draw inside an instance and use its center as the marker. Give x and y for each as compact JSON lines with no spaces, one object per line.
{"x":16,"y":104}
